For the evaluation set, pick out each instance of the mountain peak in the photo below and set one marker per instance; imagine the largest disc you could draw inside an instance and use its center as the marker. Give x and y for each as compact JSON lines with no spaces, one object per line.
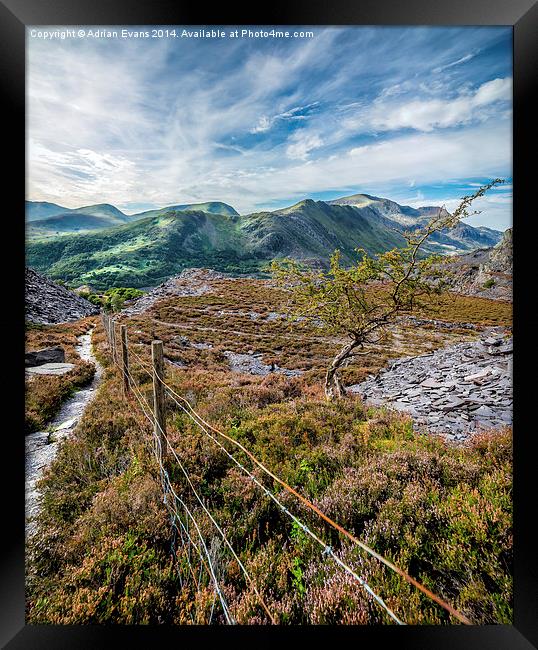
{"x":100,"y":210}
{"x":358,"y":200}
{"x":305,"y":203}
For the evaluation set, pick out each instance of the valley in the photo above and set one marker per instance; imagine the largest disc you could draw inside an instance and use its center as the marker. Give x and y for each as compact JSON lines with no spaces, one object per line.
{"x":414,"y":459}
{"x":152,"y":246}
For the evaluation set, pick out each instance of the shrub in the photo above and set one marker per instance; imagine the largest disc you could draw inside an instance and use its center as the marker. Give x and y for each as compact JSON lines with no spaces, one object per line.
{"x":106,"y":552}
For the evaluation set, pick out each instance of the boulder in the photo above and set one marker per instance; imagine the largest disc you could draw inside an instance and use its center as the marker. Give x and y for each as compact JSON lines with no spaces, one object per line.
{"x":54,"y":354}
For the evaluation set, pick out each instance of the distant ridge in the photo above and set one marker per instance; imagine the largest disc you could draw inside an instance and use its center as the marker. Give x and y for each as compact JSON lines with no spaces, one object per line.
{"x":155,"y":245}
{"x":213,"y":207}
{"x":42,"y":210}
{"x":51,"y":220}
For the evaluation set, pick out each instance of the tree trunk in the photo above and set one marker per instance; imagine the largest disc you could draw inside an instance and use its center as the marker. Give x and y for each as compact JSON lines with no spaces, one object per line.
{"x":333,"y":385}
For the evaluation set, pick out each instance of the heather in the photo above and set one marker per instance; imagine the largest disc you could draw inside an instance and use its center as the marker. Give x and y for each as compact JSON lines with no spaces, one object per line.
{"x":106,"y":552}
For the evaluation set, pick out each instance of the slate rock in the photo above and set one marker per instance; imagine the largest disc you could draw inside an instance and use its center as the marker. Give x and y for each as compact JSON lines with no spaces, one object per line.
{"x":51,"y":369}
{"x":477,"y":376}
{"x":47,"y":302}
{"x":55,"y":354}
{"x":431,"y":383}
{"x":484,"y":411}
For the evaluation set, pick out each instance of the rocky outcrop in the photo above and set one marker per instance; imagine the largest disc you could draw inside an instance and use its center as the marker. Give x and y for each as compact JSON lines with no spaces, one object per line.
{"x":501,"y":256}
{"x":47,"y":302}
{"x":453,"y":391}
{"x":486,"y":272}
{"x":253,"y":364}
{"x":190,"y":282}
{"x":54,"y":354}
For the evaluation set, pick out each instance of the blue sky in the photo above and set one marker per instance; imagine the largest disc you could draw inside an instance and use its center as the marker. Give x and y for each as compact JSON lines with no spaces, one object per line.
{"x":420,"y":115}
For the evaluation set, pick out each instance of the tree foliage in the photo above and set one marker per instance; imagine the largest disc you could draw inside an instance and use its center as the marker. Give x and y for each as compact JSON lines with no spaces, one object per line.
{"x":359,"y":301}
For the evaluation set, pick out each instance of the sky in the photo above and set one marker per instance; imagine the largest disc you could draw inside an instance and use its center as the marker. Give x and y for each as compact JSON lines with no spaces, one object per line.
{"x":419,"y":115}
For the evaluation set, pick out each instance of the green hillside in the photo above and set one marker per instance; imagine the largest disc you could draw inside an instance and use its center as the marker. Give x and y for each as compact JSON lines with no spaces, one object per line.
{"x":311,"y":230}
{"x":47,"y":220}
{"x":144,"y":252}
{"x":149,"y":249}
{"x":105,"y":210}
{"x":213,"y":207}
{"x":72,"y":222}
{"x":42,"y":210}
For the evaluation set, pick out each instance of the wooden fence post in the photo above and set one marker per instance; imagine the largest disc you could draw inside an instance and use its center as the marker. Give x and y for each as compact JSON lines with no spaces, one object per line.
{"x":157,"y":358}
{"x":105,"y":326}
{"x":113,"y":338}
{"x":124,"y":359}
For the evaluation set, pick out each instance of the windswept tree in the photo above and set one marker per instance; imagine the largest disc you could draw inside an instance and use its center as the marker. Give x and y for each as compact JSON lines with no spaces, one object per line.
{"x":358,"y":302}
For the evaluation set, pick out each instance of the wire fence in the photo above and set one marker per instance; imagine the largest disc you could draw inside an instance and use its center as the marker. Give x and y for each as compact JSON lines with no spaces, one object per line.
{"x":187,"y":528}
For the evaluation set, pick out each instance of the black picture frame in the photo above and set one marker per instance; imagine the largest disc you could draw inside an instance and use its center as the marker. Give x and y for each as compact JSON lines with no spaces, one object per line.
{"x":15,"y":15}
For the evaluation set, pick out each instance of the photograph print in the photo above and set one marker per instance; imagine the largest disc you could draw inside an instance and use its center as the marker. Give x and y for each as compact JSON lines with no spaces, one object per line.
{"x":268,"y":339}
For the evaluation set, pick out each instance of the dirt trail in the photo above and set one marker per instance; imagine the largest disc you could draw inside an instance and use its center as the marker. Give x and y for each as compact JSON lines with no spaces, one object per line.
{"x":42,"y":446}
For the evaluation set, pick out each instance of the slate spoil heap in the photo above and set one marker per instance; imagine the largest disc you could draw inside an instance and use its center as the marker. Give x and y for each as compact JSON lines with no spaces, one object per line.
{"x":454,"y":391}
{"x":47,"y":302}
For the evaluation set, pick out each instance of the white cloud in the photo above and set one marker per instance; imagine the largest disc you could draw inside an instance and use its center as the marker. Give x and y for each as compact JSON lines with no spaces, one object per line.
{"x":301,"y":145}
{"x":427,"y":115}
{"x":430,"y":157}
{"x":493,"y":91}
{"x":264,"y":124}
{"x":71,"y":178}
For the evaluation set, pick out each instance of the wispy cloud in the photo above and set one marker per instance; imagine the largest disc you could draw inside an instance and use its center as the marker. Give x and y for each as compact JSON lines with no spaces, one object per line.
{"x":254,"y":123}
{"x":296,"y":113}
{"x":430,"y":114}
{"x":459,"y":61}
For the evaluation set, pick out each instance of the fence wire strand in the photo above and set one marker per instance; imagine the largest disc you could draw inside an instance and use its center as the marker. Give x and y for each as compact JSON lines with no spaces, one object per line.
{"x":204,"y":426}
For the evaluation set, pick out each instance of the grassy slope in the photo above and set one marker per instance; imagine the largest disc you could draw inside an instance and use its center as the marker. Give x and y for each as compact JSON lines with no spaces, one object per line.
{"x":311,"y":229}
{"x":103,"y":555}
{"x":145,"y":252}
{"x":69,"y":223}
{"x":151,"y":249}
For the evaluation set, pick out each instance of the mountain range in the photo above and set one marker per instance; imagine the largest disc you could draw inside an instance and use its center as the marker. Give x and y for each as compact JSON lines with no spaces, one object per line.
{"x":144,"y":249}
{"x":52,"y":220}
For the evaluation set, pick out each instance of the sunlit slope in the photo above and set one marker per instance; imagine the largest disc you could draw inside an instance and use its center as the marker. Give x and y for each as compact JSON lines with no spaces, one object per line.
{"x":311,"y":230}
{"x":151,"y":248}
{"x":141,"y":253}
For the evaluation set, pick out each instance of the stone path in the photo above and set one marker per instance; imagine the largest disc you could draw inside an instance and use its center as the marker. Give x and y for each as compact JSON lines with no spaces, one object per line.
{"x":453,"y":391}
{"x":41,"y":447}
